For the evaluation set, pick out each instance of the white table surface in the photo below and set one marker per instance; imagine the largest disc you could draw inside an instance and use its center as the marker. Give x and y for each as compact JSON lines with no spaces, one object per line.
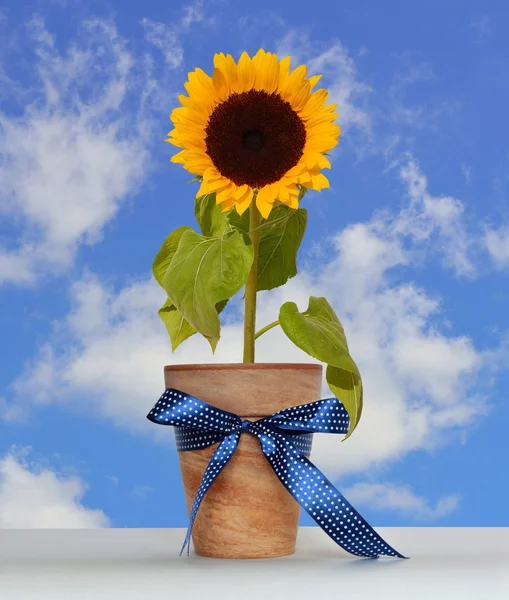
{"x":445,"y":563}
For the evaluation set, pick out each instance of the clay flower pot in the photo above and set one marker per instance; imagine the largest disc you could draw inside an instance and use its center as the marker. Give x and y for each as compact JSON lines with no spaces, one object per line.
{"x":247,"y":513}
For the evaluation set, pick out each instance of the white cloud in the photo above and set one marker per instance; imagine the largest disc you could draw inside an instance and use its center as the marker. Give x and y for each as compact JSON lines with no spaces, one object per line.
{"x":193,"y":13}
{"x":72,"y":156}
{"x":32,"y":496}
{"x":141,"y":491}
{"x":374,"y":128}
{"x":168,"y":38}
{"x":337,"y":66}
{"x":115,"y":351}
{"x":435,"y":217}
{"x":401,"y":111}
{"x":165,"y":38}
{"x":420,"y":381}
{"x":467,"y":173}
{"x":482,"y":28}
{"x":497,"y":245}
{"x":346,"y":90}
{"x":400,"y":498}
{"x":76,"y":147}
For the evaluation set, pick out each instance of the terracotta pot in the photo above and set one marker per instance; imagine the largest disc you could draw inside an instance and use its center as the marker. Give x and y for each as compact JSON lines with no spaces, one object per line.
{"x":247,"y":513}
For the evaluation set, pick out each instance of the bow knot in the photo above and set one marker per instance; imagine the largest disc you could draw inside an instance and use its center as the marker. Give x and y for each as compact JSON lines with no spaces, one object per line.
{"x":285,"y":440}
{"x":244,"y":426}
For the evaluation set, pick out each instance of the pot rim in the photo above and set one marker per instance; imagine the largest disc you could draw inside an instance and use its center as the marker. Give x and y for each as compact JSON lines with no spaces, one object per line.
{"x":240,"y":366}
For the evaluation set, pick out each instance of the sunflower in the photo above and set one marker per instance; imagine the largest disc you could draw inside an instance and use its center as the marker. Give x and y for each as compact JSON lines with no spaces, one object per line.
{"x":254,"y":130}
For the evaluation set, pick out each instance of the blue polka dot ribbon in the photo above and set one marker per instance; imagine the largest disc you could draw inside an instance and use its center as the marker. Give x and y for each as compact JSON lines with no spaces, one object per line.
{"x":285,"y":440}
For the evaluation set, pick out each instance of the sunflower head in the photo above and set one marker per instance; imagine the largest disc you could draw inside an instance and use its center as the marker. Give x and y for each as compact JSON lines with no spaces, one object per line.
{"x":254,"y":130}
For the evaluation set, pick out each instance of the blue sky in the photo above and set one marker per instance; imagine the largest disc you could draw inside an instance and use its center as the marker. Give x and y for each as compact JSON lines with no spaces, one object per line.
{"x":410,"y":245}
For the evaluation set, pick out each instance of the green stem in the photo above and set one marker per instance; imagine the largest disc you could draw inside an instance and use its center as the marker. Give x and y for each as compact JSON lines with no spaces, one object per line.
{"x":250,"y":289}
{"x":266,"y":328}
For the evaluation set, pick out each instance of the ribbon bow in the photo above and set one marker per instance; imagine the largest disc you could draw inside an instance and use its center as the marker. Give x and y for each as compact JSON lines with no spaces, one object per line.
{"x":285,"y":439}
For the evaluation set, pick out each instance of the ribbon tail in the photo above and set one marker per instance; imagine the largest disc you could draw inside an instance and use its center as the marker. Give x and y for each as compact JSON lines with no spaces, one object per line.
{"x":218,"y":461}
{"x":320,"y":499}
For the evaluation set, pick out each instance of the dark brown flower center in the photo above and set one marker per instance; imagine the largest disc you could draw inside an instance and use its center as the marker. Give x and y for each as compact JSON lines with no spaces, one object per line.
{"x":254,"y":138}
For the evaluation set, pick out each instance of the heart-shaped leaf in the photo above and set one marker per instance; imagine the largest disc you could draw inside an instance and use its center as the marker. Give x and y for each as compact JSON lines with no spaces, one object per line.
{"x":346,"y":385}
{"x":212,"y":222}
{"x":239,"y":222}
{"x":204,"y":271}
{"x":178,"y":328}
{"x":320,"y":334}
{"x":166,"y":253}
{"x":317,"y":330}
{"x":280,"y":238}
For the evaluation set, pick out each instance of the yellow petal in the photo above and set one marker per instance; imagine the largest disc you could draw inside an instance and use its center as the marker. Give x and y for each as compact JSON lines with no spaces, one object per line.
{"x":288,"y":194}
{"x":212,"y":174}
{"x":318,"y":182}
{"x":186,"y":115}
{"x":226,"y":193}
{"x":244,"y":202}
{"x":315,"y":101}
{"x":322,"y":143}
{"x":196,"y":86}
{"x":315,"y":159}
{"x":204,"y":189}
{"x":314,"y":80}
{"x":197,"y":167}
{"x":205,"y":81}
{"x":319,"y":118}
{"x":297,"y":170}
{"x":246,"y":73}
{"x":284,"y":69}
{"x":260,"y":67}
{"x":296,"y":79}
{"x":226,"y":205}
{"x":265,"y":200}
{"x":184,"y":100}
{"x":299,"y":100}
{"x":188,"y":141}
{"x":293,"y":201}
{"x":232,"y":73}
{"x":272,"y":75}
{"x":220,"y":61}
{"x":179,"y":158}
{"x":305,"y":178}
{"x":240,"y":192}
{"x":220,"y":84}
{"x":282,"y":194}
{"x":324,"y":129}
{"x":220,"y":184}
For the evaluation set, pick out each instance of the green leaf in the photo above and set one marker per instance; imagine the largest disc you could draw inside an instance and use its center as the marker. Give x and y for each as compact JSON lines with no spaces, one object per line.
{"x":279,"y":243}
{"x":320,"y":334}
{"x":204,"y":271}
{"x":239,"y":222}
{"x":166,"y":253}
{"x":178,"y":328}
{"x":212,"y":222}
{"x":346,"y":385}
{"x":280,"y":236}
{"x":317,"y":330}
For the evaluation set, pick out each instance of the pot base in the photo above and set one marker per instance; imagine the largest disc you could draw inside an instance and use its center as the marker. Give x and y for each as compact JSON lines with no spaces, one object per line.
{"x":236,"y":556}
